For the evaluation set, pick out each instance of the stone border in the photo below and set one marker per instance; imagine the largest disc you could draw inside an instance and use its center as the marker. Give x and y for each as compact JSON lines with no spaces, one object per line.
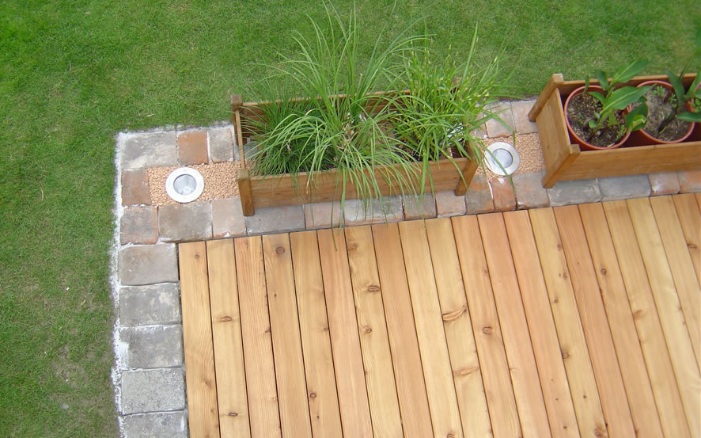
{"x":148,"y":374}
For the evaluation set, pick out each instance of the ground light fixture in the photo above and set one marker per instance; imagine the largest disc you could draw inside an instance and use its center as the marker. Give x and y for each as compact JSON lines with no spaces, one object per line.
{"x":184,"y":185}
{"x":502,"y":158}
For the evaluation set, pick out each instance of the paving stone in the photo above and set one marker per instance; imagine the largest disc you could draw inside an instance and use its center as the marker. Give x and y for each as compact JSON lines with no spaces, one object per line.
{"x":447,"y":204}
{"x":139,"y":225}
{"x":159,"y":346}
{"x":502,"y":194}
{"x":222,"y":144}
{"x":690,"y":181}
{"x":153,"y":149}
{"x":479,"y":196}
{"x":624,"y":187}
{"x":530,"y":192}
{"x":419,"y":207}
{"x":322,"y":215}
{"x":574,"y":192}
{"x":377,"y":211}
{"x":153,"y":390}
{"x":151,"y":304}
{"x":496,"y":129}
{"x":192,"y":147}
{"x":520,"y":109}
{"x":275,"y":220}
{"x":183,"y":222}
{"x":664,"y":183}
{"x":135,"y":189}
{"x":148,"y":264}
{"x":156,"y":425}
{"x":227,"y":218}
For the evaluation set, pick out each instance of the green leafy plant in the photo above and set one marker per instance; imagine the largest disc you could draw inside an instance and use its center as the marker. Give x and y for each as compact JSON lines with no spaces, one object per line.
{"x":683,"y":100}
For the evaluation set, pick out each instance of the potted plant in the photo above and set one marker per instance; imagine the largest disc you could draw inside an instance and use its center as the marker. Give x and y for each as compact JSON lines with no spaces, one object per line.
{"x":346,"y":140}
{"x":599,"y":117}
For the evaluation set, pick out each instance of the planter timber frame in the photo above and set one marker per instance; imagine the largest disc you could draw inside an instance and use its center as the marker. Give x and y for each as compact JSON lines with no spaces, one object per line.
{"x":282,"y":190}
{"x":565,"y":161}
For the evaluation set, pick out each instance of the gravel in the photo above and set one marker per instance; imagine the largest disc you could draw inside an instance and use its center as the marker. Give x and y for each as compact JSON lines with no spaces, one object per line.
{"x":219,"y":182}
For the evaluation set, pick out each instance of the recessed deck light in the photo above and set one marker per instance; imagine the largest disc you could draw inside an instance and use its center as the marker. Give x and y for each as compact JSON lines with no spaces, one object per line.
{"x":184,"y":185}
{"x":503,"y":159}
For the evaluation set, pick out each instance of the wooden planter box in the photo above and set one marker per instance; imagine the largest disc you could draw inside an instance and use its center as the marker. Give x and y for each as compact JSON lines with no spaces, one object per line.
{"x":565,"y":161}
{"x":281,"y":190}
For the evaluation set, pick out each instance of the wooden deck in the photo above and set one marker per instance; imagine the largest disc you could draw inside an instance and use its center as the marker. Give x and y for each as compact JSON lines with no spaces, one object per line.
{"x":570,"y":321}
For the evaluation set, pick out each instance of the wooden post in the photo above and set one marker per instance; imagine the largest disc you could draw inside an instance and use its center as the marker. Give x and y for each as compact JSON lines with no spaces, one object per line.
{"x":468,"y":172}
{"x":244,"y":181}
{"x":552,"y":84}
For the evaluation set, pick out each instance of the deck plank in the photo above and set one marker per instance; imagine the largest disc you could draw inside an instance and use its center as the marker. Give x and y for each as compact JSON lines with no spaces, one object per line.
{"x":464,"y":361}
{"x":546,"y":349}
{"x":406,"y":359}
{"x":682,"y":267}
{"x":512,"y":319}
{"x":575,"y":351}
{"x":647,"y":322}
{"x":257,"y":342}
{"x":690,"y":219}
{"x":203,"y":414}
{"x":228,"y":344}
{"x":345,"y":343}
{"x":435,"y":359}
{"x":485,"y":326}
{"x":625,"y":337}
{"x":374,"y":343}
{"x":287,"y":344}
{"x":314,"y":332}
{"x":669,"y":309}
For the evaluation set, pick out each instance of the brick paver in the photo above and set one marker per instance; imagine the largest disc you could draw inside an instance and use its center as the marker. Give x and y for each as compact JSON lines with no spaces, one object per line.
{"x":192,"y":147}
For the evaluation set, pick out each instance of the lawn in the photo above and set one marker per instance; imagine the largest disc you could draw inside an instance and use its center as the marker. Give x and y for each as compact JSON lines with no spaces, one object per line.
{"x":74,"y":73}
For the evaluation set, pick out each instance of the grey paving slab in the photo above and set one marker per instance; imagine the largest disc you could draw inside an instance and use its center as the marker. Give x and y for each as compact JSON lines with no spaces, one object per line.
{"x":496,"y":129}
{"x":227,"y":218}
{"x":520,"y":109}
{"x":388,"y":209}
{"x":222,"y":144}
{"x":151,"y":304}
{"x":574,"y":192}
{"x":148,"y":264}
{"x":322,"y":215}
{"x":139,"y":225}
{"x":624,"y":187}
{"x":151,"y":346}
{"x":152,"y":390}
{"x":479,"y":196}
{"x":419,"y":207}
{"x":156,"y":425}
{"x":529,"y":191}
{"x":185,"y":222}
{"x":275,"y":220}
{"x":151,"y":149}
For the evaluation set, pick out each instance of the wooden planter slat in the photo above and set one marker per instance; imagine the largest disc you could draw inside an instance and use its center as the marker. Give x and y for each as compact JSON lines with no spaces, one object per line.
{"x":281,"y":190}
{"x":565,"y":161}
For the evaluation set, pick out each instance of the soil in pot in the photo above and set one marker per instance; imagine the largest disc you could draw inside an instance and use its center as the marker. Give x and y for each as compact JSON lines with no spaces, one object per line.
{"x":660,"y":106}
{"x":582,"y":108}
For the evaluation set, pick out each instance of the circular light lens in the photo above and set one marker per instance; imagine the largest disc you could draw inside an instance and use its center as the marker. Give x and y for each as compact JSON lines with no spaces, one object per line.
{"x":504,"y":157}
{"x":185,"y":184}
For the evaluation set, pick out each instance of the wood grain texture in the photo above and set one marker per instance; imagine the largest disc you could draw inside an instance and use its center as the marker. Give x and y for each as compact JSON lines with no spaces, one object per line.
{"x":203,"y":414}
{"x":690,"y":220}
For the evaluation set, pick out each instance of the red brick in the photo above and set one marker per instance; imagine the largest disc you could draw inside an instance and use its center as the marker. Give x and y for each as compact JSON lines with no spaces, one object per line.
{"x":192,"y":147}
{"x":479,"y":196}
{"x":690,"y":181}
{"x":447,"y":204}
{"x":665,"y":183}
{"x":135,"y":189}
{"x":503,"y":193}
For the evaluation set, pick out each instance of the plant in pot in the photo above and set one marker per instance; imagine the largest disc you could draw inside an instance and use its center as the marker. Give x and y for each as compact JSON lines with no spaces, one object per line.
{"x":599,"y":117}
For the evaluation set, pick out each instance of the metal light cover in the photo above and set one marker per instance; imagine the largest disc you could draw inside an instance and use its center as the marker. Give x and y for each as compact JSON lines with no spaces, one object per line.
{"x":184,"y":185}
{"x":505,"y":154}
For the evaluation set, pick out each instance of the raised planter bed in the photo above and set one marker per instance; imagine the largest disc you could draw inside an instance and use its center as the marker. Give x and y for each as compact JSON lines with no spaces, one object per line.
{"x":565,"y":161}
{"x":280,"y":190}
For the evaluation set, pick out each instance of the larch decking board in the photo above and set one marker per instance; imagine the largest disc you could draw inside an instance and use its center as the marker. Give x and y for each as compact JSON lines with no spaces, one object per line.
{"x":467,"y":376}
{"x":228,"y":343}
{"x":257,"y":342}
{"x":485,"y":326}
{"x":690,"y":220}
{"x":647,"y":322}
{"x":374,"y":343}
{"x":345,"y":343}
{"x":514,"y":328}
{"x":669,"y":309}
{"x":314,"y":331}
{"x":597,"y":331}
{"x":683,"y":273}
{"x":546,"y":348}
{"x":406,"y":359}
{"x":575,"y":352}
{"x":435,"y":359}
{"x":287,"y":344}
{"x":203,"y":414}
{"x":625,"y":338}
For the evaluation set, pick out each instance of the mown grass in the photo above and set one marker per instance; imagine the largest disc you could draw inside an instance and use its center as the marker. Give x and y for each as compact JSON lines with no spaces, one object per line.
{"x":74,"y":73}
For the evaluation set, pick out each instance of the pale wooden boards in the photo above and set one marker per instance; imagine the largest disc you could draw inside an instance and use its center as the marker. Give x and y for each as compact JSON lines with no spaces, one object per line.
{"x":564,"y":322}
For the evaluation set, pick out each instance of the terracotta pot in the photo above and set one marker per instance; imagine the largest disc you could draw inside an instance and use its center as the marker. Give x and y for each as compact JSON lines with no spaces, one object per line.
{"x":642,"y":137}
{"x":580,"y":141}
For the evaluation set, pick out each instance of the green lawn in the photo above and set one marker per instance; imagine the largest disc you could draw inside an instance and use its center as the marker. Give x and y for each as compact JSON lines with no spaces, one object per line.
{"x":74,"y":73}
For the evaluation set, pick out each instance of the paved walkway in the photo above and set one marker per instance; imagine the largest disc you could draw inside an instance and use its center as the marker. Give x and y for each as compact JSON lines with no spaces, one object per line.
{"x":149,"y":373}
